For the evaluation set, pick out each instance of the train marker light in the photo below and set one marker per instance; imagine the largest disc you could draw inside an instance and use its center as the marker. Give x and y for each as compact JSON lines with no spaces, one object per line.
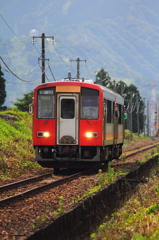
{"x":43,"y":134}
{"x":91,"y":134}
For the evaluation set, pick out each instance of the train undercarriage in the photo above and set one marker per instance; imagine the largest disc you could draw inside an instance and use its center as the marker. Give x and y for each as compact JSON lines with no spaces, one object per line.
{"x":66,"y":156}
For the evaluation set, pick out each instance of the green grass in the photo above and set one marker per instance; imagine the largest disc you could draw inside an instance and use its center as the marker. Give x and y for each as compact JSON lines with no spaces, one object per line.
{"x":135,"y":138}
{"x":138,"y":220}
{"x":16,"y":149}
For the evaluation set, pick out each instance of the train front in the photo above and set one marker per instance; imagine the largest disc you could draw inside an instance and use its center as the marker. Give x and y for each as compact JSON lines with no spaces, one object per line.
{"x":67,"y":127}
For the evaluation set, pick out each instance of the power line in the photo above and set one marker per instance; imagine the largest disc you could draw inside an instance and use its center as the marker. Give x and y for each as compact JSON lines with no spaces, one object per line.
{"x":15,"y":33}
{"x":52,"y":73}
{"x":89,"y":71}
{"x":18,"y":77}
{"x":11,"y":29}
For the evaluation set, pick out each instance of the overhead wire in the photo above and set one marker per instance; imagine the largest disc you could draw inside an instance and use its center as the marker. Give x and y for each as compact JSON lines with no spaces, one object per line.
{"x":11,"y":29}
{"x":18,"y":77}
{"x":89,"y":71}
{"x":63,"y":60}
{"x":51,"y":72}
{"x":15,"y":33}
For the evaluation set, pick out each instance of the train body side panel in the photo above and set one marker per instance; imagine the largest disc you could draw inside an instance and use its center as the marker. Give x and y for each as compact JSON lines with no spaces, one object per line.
{"x":109,"y":134}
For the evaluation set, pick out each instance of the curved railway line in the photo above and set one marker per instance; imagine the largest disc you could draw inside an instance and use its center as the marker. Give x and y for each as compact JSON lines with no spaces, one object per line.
{"x":35,"y":185}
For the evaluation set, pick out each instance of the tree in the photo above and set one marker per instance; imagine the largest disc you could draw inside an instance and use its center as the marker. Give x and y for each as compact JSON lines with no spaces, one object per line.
{"x":23,"y":104}
{"x":135,"y":106}
{"x":103,"y":78}
{"x":2,"y":89}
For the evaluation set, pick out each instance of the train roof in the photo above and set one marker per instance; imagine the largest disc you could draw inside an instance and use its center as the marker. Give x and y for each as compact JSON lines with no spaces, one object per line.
{"x":107,"y":93}
{"x":110,"y":95}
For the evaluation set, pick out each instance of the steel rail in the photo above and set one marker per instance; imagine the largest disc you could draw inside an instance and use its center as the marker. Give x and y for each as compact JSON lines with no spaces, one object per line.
{"x":24,"y":181}
{"x":40,"y":188}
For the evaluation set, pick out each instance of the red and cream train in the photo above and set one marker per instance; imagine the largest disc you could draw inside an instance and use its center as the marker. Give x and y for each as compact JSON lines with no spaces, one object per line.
{"x":76,"y":123}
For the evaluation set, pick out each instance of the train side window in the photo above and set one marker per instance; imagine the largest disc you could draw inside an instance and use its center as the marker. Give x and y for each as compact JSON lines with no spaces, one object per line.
{"x":120,"y":114}
{"x":109,"y":112}
{"x":67,"y":108}
{"x":89,"y":103}
{"x":46,"y":100}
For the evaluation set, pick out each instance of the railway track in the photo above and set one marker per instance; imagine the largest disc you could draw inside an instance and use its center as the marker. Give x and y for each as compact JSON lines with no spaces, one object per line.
{"x":131,"y":152}
{"x":26,"y":187}
{"x":18,"y":216}
{"x":43,"y":185}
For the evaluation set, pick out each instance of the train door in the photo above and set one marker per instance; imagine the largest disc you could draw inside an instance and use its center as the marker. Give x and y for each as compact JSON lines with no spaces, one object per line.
{"x":67,"y":119}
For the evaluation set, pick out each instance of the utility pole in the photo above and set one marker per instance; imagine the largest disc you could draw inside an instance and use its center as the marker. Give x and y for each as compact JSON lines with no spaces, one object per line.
{"x":137,"y":112}
{"x":78,"y":66}
{"x":130,"y":116}
{"x":145,"y":120}
{"x":43,"y":53}
{"x":144,"y":117}
{"x":148,"y":129}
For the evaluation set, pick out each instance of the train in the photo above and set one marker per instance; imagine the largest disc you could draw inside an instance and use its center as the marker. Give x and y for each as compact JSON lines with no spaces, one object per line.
{"x":76,"y":124}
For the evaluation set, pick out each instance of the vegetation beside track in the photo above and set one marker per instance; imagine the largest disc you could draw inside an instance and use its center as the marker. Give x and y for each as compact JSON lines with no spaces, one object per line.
{"x":16,"y":151}
{"x":138,"y":220}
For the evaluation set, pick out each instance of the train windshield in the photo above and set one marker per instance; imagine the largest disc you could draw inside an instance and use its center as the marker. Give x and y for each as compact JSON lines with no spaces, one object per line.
{"x":90,"y":102}
{"x":46,"y":99}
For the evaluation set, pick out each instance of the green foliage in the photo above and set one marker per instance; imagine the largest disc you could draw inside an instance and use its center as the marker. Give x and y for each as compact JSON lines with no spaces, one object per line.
{"x":23,"y":104}
{"x":138,"y":220}
{"x":127,"y":134}
{"x":137,"y":162}
{"x":60,"y":208}
{"x":39,"y":220}
{"x":16,"y":148}
{"x":157,"y":149}
{"x":137,"y":236}
{"x":103,"y":78}
{"x":152,"y":152}
{"x":101,"y":179}
{"x":111,"y":173}
{"x":152,"y":208}
{"x":2,"y":88}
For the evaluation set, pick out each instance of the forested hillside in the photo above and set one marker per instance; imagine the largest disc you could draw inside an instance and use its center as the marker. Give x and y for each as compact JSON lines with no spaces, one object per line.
{"x":120,"y":36}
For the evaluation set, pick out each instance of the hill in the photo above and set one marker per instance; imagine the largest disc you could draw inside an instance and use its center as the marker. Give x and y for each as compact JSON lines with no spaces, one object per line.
{"x":119,"y":35}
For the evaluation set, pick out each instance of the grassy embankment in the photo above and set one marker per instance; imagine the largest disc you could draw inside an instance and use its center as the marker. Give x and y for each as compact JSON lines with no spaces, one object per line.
{"x":16,"y":150}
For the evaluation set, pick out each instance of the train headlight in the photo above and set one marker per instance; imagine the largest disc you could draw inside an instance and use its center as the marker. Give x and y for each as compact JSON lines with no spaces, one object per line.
{"x":43,"y":134}
{"x":91,"y":134}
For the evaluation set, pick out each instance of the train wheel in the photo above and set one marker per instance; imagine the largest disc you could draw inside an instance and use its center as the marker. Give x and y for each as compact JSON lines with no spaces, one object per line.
{"x":56,"y":170}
